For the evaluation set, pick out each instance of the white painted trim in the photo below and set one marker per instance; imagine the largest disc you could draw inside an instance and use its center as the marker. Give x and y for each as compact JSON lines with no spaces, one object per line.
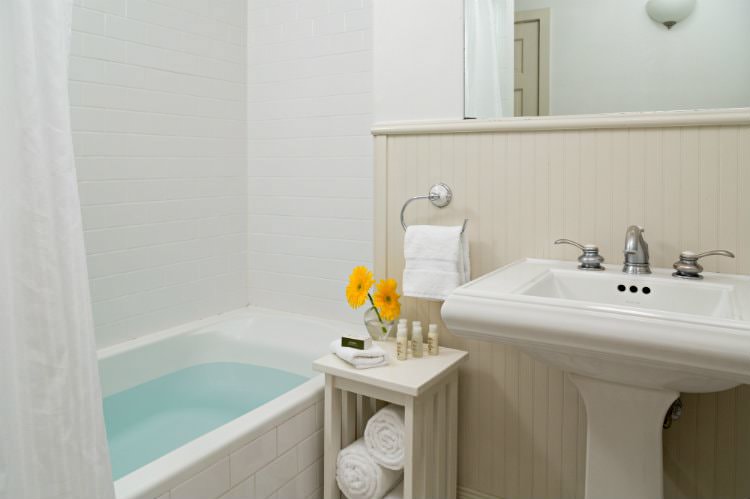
{"x":657,"y":119}
{"x":467,"y":493}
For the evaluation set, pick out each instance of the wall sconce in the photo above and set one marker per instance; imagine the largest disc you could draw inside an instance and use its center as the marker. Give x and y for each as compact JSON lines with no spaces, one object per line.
{"x":669,"y":12}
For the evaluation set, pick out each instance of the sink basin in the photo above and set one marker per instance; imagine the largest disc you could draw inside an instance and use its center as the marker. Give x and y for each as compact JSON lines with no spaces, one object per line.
{"x":630,"y":343}
{"x":659,"y":292}
{"x":648,"y":330}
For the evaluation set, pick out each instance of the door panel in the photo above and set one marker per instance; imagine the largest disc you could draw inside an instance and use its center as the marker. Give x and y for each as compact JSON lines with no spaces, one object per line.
{"x":526,"y":62}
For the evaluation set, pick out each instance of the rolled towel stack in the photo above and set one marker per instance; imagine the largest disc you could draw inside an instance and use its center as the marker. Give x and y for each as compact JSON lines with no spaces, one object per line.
{"x":384,"y":437}
{"x":372,"y":466}
{"x":360,"y":477}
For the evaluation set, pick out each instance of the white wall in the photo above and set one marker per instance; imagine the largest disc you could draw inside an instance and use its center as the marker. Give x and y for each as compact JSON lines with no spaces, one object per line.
{"x":418,"y":60}
{"x":158,"y":111}
{"x":609,"y":56}
{"x":310,"y":152}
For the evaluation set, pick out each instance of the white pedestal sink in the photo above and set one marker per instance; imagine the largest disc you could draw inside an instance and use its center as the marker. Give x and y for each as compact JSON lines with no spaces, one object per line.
{"x":630,"y":343}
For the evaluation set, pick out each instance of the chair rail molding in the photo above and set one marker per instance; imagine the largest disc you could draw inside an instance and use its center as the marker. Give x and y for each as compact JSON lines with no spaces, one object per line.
{"x":656,"y":119}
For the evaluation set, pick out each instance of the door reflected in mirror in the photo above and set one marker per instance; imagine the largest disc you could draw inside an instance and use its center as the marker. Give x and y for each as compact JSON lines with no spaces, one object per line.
{"x":568,"y":57}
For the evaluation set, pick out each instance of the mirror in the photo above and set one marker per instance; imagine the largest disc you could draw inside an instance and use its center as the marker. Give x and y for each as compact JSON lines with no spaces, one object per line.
{"x":567,"y":57}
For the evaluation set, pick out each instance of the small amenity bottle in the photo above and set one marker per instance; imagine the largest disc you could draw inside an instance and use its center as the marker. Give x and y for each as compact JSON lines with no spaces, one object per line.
{"x":433,"y":344}
{"x":417,"y":348}
{"x":402,"y":343}
{"x":403,"y":323}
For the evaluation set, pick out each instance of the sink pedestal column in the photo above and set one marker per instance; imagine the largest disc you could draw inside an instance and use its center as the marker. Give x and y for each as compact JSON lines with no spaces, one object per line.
{"x":624,"y":452}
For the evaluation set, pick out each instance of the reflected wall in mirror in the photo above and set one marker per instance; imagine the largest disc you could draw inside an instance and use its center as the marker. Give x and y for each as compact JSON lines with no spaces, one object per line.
{"x":567,"y":57}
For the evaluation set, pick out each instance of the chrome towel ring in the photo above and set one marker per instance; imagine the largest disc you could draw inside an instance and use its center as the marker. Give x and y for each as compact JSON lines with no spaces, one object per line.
{"x":440,"y":196}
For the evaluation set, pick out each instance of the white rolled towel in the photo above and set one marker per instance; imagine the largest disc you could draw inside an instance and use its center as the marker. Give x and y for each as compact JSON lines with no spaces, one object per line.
{"x":360,"y":477}
{"x":384,"y":437}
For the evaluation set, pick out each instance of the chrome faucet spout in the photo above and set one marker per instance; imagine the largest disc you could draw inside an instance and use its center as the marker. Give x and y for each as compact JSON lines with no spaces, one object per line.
{"x":636,"y":252}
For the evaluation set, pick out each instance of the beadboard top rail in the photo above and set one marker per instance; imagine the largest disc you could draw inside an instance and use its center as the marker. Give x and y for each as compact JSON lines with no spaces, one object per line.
{"x":657,"y":119}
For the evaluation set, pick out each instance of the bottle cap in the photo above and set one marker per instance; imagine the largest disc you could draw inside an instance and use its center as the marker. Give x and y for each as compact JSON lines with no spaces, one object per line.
{"x":433,"y":328}
{"x":401,"y":331}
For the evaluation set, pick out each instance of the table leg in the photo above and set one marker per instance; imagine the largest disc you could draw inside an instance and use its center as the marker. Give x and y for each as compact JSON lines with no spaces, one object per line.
{"x":452,"y":437}
{"x":332,"y":445}
{"x":414,"y":465}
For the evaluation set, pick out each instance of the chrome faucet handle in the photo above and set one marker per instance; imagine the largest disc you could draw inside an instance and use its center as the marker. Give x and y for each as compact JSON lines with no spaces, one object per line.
{"x":634,"y":242}
{"x":687,"y":267}
{"x":636,"y":252}
{"x":590,"y":259}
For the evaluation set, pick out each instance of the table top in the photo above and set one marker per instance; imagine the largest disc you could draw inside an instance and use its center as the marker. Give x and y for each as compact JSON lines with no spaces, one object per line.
{"x":411,"y":376}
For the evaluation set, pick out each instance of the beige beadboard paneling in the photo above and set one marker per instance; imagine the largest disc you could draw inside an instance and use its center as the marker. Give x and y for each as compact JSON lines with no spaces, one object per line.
{"x":523,"y":422}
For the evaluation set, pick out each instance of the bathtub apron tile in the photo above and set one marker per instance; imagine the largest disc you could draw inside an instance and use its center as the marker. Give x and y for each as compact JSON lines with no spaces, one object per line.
{"x":305,"y":483}
{"x":297,"y":428}
{"x":210,"y":483}
{"x":270,"y":478}
{"x":310,"y":450}
{"x":319,"y":412}
{"x":253,"y":456}
{"x":244,"y":490}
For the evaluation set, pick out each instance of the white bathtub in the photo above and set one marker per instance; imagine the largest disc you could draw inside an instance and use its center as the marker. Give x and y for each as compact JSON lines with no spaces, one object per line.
{"x":273,"y":449}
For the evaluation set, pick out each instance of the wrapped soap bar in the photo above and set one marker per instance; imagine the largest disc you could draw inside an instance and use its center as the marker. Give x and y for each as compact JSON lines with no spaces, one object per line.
{"x":360,"y":342}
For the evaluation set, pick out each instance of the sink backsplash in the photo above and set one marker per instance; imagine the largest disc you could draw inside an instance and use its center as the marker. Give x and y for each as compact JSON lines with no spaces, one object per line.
{"x":689,"y":187}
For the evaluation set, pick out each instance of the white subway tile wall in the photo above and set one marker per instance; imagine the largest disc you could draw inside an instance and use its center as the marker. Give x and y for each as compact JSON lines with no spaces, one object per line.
{"x":158,"y":98}
{"x":310,"y":152}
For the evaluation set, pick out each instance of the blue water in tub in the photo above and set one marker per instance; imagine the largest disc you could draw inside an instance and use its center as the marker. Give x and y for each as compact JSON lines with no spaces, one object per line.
{"x":149,"y":420}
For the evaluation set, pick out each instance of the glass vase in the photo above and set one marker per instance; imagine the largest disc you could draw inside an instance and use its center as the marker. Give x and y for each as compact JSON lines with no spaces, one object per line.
{"x":379,"y":330}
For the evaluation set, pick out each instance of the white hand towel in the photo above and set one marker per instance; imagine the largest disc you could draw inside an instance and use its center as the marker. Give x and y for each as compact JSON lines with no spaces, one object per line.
{"x":384,"y":437}
{"x":361,"y":359}
{"x":360,"y":477}
{"x":437,"y":261}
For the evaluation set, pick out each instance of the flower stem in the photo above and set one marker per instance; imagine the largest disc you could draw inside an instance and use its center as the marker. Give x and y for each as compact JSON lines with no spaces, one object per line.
{"x":377,"y":312}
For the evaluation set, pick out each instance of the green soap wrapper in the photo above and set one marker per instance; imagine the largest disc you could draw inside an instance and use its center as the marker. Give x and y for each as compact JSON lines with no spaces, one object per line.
{"x":358,"y":343}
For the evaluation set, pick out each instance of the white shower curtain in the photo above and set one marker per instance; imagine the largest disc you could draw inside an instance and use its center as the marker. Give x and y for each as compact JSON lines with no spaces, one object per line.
{"x":52,"y":439}
{"x":488,"y":71}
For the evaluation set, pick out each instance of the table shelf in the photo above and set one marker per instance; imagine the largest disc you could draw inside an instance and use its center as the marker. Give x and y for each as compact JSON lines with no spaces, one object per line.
{"x":426,"y":387}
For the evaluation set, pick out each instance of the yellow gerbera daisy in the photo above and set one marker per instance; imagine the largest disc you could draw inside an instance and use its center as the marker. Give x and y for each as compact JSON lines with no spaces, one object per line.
{"x":386,"y":299}
{"x":359,"y":285}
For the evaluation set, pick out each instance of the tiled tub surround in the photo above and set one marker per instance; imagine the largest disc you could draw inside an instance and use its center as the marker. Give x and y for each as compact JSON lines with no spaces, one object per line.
{"x":267,"y":466}
{"x":309,"y":112}
{"x":157,"y":90}
{"x":274,"y":450}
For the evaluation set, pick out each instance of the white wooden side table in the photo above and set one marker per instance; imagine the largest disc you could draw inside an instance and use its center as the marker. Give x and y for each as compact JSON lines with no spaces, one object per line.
{"x":426,"y":387}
